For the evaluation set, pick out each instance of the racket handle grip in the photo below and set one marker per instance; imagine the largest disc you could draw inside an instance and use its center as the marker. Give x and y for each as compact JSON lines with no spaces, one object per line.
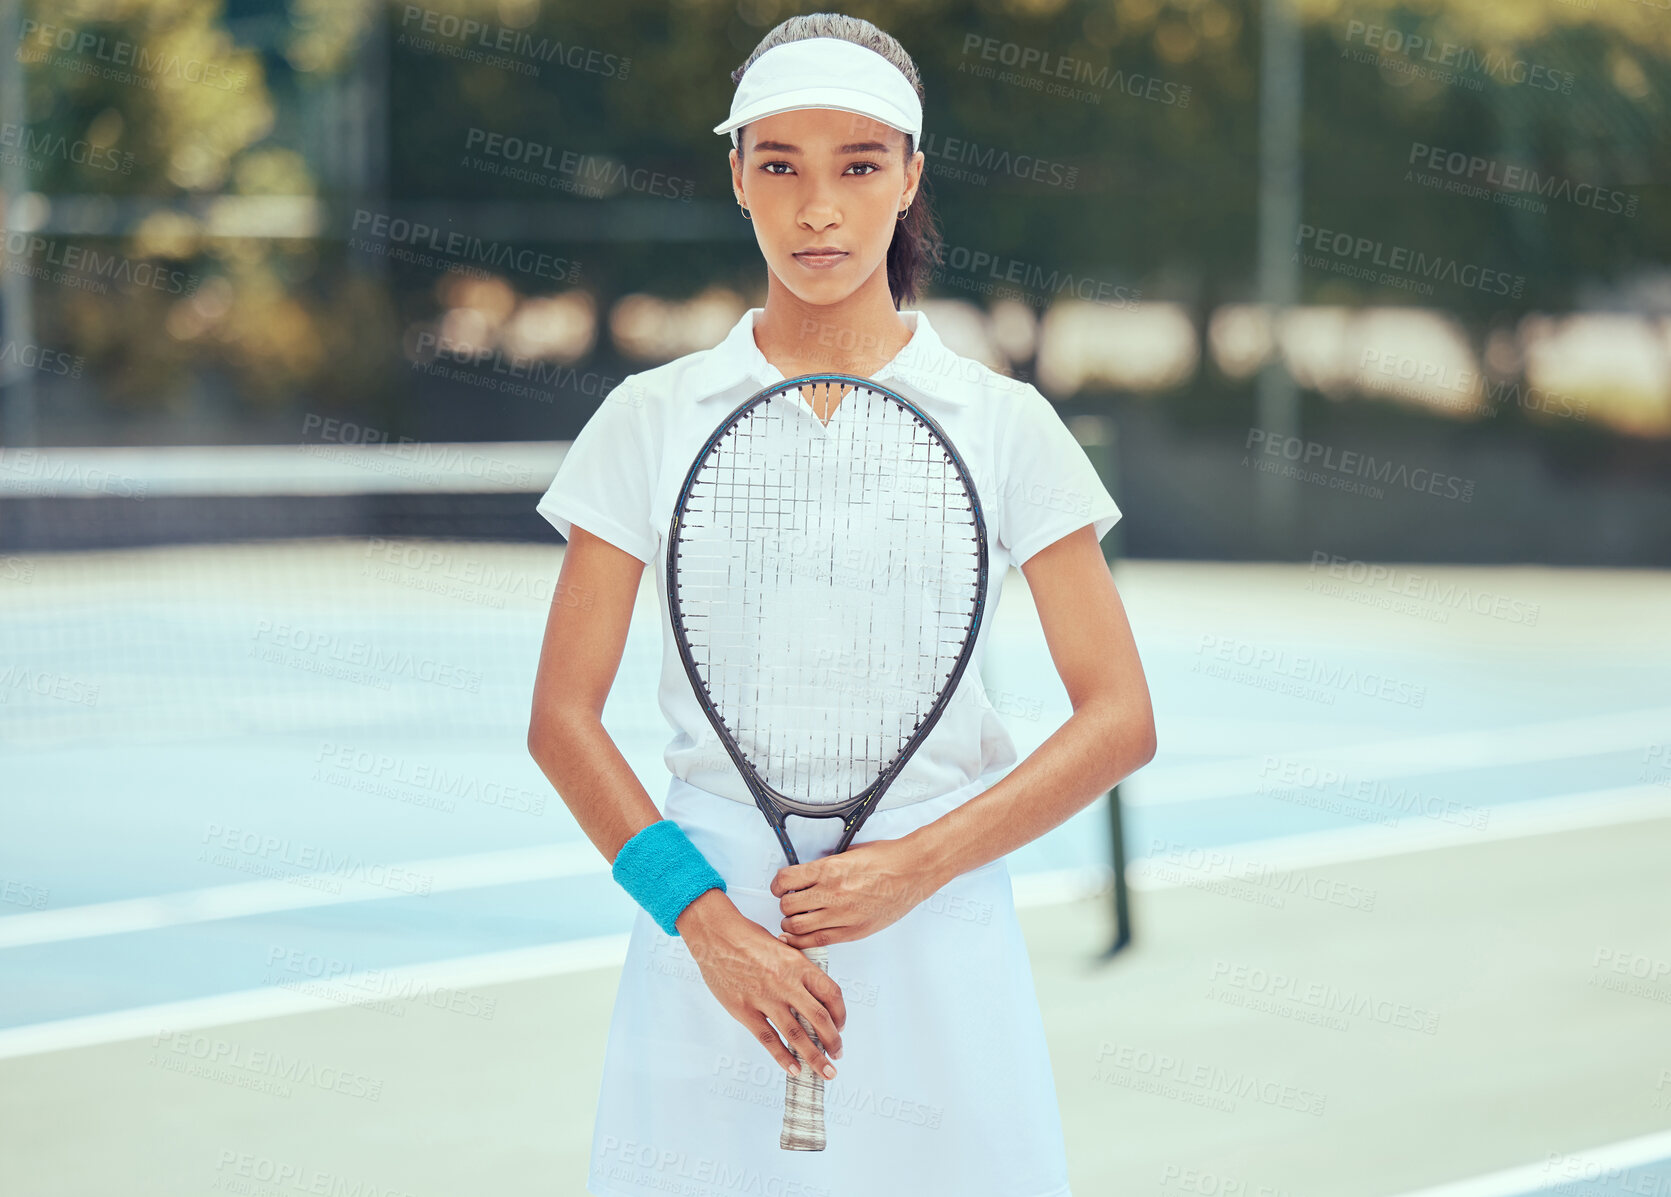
{"x":803,"y":1095}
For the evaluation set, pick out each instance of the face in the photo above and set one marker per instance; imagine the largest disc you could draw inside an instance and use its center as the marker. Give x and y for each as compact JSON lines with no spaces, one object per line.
{"x":819,"y":178}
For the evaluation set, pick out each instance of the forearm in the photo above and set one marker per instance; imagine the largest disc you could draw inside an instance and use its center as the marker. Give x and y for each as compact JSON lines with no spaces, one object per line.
{"x":583,"y":764}
{"x":1097,"y":746}
{"x":589,"y":773}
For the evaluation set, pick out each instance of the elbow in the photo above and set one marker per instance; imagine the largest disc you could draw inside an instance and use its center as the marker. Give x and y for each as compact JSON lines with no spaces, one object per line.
{"x":552,"y":727}
{"x":540,"y":733}
{"x":1146,"y":743}
{"x":1138,"y":721}
{"x":1133,"y":728}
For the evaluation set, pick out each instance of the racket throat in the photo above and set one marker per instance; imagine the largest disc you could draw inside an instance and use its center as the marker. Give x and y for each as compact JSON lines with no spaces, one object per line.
{"x":777,"y":811}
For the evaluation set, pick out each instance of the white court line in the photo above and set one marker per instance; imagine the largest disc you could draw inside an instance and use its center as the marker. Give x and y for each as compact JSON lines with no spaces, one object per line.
{"x":1594,"y":809}
{"x":1512,"y":820}
{"x":143,"y":1022}
{"x":1519,"y":744}
{"x":1598,"y":1165}
{"x":300,"y":892}
{"x":464,"y":972}
{"x":393,"y":983}
{"x":316,"y":467}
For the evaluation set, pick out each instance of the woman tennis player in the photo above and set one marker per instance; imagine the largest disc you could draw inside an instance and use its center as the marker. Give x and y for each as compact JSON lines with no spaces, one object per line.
{"x":939,"y":1082}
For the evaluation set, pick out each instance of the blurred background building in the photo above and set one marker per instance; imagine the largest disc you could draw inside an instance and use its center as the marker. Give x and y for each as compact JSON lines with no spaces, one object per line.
{"x":1436,"y":252}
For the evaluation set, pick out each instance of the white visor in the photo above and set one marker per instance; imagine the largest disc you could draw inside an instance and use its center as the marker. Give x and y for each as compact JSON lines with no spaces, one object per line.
{"x":825,"y":72}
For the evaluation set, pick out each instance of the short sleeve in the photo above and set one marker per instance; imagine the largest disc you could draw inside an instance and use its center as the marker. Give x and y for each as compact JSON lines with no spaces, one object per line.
{"x":606,"y":481}
{"x":1049,"y":487}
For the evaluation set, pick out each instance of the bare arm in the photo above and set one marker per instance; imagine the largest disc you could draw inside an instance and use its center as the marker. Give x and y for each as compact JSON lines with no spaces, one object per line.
{"x":755,"y":976}
{"x":1110,"y":735}
{"x":585,"y":635}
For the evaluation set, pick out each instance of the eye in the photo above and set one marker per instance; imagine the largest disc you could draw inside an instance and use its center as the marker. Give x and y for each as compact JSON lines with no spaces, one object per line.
{"x":870,"y":167}
{"x":767,"y":167}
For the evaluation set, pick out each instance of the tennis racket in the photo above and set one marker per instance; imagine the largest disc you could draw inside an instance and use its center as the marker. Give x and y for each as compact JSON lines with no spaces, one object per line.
{"x":826,"y":584}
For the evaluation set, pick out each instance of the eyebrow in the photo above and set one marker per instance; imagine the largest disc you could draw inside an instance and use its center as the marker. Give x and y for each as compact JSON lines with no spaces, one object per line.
{"x":852,"y":147}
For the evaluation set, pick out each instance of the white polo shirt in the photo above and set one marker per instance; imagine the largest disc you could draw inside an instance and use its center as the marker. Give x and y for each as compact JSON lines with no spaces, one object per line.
{"x":621,"y":478}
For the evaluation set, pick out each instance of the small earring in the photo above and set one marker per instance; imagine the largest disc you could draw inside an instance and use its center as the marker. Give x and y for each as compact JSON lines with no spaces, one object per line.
{"x":901,"y":216}
{"x":746,"y":216}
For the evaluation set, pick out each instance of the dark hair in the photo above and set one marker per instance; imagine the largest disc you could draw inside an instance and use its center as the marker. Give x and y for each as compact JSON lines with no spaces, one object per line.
{"x":916,"y":242}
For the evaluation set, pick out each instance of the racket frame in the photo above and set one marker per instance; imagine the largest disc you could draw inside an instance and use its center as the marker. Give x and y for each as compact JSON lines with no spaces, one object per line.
{"x":774,"y":805}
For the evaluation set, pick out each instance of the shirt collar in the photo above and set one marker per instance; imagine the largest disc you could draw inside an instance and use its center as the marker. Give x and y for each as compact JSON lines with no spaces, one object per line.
{"x":925,"y":366}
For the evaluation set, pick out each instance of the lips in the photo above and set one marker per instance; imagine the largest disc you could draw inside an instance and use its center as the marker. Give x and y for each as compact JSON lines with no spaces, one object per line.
{"x":820,"y":258}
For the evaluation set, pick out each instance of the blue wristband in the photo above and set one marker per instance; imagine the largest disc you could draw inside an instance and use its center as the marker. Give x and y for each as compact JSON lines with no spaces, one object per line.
{"x":664,"y":872}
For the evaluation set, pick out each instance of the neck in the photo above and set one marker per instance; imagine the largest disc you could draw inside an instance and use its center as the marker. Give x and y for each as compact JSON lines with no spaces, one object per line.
{"x":856,"y":335}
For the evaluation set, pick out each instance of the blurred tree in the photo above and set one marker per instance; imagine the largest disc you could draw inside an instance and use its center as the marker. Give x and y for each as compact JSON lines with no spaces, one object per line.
{"x":1160,"y":142}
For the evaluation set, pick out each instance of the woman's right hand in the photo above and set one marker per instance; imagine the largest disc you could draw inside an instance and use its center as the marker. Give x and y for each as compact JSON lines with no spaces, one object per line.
{"x":761,"y":981}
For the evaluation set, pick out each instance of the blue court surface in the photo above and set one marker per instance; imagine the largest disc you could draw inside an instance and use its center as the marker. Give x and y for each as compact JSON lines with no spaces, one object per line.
{"x":258,"y":781}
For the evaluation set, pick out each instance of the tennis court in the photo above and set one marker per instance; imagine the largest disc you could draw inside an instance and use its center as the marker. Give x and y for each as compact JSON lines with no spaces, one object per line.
{"x":288,"y":904}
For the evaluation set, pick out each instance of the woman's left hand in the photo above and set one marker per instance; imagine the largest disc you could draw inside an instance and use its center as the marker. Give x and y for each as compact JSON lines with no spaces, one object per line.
{"x":840,"y":898}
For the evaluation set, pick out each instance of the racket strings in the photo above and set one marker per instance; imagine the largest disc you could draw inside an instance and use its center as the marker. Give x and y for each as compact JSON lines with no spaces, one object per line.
{"x":828,"y":577}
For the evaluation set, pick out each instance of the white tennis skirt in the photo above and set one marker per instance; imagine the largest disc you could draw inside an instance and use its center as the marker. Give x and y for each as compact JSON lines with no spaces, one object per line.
{"x":944,"y":1085}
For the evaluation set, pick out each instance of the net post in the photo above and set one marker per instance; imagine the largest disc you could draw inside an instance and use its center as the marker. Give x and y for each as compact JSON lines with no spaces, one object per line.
{"x":1122,"y":903}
